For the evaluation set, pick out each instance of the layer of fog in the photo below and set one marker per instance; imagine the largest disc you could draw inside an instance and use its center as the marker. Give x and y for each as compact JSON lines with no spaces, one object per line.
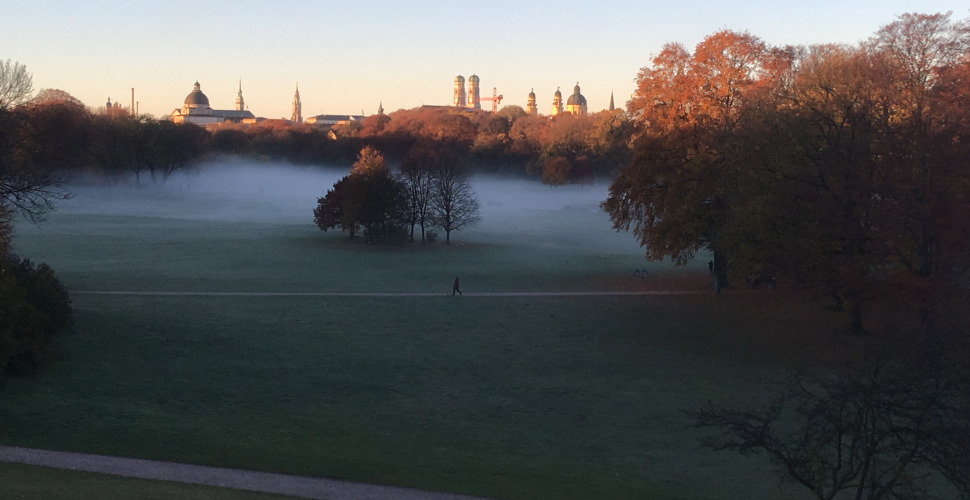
{"x":267,"y":192}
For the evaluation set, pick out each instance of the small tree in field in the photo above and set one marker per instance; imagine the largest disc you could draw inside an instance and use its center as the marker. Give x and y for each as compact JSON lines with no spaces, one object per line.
{"x":454,"y":203}
{"x":418,"y":189}
{"x":369,"y":198}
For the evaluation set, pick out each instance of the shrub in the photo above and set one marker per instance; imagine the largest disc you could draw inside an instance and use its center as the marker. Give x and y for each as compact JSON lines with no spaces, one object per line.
{"x":34,"y":307}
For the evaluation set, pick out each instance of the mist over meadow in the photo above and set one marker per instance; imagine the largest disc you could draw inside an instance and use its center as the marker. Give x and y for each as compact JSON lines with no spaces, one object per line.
{"x":241,"y":190}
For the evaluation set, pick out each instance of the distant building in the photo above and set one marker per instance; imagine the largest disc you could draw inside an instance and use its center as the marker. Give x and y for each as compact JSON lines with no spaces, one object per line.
{"x":297,"y":115}
{"x":459,"y":98}
{"x":530,"y":105}
{"x":576,"y":104}
{"x":474,"y":94}
{"x":240,"y":102}
{"x":557,"y":103}
{"x":473,"y":99}
{"x":334,"y":119}
{"x":196,"y":110}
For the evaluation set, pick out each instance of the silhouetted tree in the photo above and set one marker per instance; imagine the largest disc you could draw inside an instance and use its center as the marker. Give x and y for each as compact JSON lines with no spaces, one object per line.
{"x":25,"y":186}
{"x":16,"y":84}
{"x":453,"y":203}
{"x":416,"y":177}
{"x":873,"y":431}
{"x":369,"y":198}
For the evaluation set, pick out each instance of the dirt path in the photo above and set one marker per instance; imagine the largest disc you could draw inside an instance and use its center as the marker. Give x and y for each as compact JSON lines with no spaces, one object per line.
{"x":385,"y":294}
{"x":296,"y":486}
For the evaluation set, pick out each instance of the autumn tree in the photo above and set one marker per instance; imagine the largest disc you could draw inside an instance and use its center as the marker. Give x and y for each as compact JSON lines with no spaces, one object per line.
{"x":527,"y":134}
{"x":369,"y":198}
{"x":855,"y":171}
{"x":806,"y":203}
{"x":922,"y":164}
{"x":677,"y":193}
{"x":609,"y":141}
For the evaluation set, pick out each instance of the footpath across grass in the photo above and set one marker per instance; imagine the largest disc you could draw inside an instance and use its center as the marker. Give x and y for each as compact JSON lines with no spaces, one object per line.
{"x":25,"y":482}
{"x":509,"y":397}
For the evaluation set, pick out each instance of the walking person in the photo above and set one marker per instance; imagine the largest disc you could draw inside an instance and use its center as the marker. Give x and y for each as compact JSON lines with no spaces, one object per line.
{"x":454,"y":287}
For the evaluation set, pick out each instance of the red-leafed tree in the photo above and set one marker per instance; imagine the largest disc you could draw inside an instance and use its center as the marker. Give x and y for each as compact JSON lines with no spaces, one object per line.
{"x":677,"y":194}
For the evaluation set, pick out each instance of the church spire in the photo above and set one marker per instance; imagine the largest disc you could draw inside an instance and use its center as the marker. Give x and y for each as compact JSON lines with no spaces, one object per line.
{"x":611,"y":102}
{"x":240,"y":103}
{"x":297,"y":116}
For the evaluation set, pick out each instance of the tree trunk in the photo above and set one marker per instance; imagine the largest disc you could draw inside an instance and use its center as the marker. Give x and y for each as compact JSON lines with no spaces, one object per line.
{"x":720,"y":269}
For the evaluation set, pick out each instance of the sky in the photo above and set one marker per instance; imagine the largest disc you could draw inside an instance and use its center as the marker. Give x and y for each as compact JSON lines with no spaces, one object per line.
{"x":350,"y":56}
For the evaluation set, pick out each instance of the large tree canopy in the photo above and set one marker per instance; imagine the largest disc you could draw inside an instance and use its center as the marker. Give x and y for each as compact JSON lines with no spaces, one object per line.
{"x":834,"y":166}
{"x":369,"y":198}
{"x":677,"y":195}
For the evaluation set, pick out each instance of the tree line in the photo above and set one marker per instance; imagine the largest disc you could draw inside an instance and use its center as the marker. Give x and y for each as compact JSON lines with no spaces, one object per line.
{"x":845,"y":168}
{"x":842,"y":169}
{"x":557,"y":150}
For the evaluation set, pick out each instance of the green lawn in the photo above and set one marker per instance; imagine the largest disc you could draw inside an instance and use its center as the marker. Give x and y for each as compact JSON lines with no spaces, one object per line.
{"x":511,"y":397}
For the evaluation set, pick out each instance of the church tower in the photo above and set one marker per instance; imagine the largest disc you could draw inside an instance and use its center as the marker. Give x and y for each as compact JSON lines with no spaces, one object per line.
{"x":611,"y":102}
{"x":576,"y":104}
{"x":474,"y":95}
{"x":240,"y":103}
{"x":459,"y":99}
{"x":297,"y":116}
{"x":530,"y":105}
{"x":557,"y":103}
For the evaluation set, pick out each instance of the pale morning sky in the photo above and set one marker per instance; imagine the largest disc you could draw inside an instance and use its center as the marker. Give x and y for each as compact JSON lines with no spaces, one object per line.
{"x":347,"y":56}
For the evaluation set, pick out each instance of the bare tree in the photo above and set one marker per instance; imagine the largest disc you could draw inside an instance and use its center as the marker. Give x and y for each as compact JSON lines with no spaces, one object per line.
{"x":417,"y":174}
{"x":873,"y":433}
{"x":416,"y":179}
{"x":24,"y":188}
{"x":454,"y":203}
{"x":16,"y":84}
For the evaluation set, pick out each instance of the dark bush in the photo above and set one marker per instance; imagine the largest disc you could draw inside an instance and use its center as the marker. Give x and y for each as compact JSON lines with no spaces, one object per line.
{"x":34,"y":307}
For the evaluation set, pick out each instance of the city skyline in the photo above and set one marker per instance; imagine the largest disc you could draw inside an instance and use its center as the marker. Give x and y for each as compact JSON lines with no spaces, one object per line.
{"x":349,"y":57}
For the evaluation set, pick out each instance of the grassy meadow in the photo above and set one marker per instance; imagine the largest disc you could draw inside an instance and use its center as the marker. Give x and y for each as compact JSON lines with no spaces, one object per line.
{"x":520,"y":397}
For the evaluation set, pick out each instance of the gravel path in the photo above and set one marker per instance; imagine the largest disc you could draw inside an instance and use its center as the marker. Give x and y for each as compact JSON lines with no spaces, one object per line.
{"x":384,"y":294}
{"x":297,"y":486}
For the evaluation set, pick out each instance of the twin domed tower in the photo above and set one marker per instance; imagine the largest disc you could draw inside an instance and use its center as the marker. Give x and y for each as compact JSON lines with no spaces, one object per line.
{"x":474,"y":99}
